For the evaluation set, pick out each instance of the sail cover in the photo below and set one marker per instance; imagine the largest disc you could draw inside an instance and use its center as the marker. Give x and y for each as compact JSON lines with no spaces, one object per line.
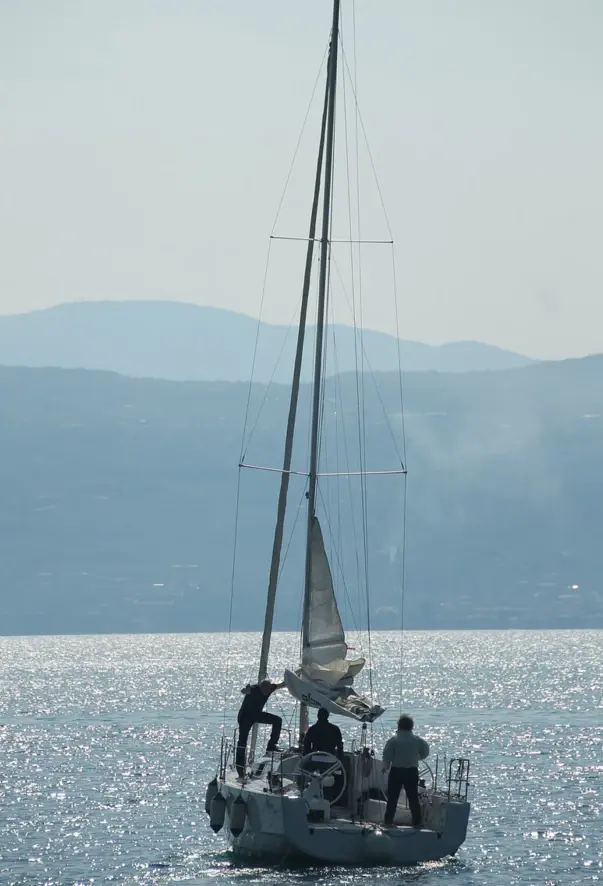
{"x":345,"y":703}
{"x":326,"y":676}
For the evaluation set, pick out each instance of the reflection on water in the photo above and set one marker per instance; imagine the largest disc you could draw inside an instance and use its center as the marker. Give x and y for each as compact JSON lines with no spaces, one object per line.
{"x":108,"y":742}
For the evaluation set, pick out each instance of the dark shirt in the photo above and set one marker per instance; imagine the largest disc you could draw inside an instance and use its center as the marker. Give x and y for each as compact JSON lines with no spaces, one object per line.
{"x":323,"y":736}
{"x":254,"y":702}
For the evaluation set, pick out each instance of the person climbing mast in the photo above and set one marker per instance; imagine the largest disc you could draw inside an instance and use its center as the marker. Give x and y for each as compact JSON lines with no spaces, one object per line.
{"x":251,"y":712}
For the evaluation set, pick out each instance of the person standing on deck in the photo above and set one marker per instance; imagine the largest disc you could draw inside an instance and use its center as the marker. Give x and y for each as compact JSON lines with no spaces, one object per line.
{"x":402,"y":753}
{"x":251,"y":712}
{"x":323,"y":736}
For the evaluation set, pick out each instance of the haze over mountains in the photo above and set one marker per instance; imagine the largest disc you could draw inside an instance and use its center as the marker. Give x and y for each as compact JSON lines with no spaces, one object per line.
{"x":182,"y":342}
{"x":118,"y":499}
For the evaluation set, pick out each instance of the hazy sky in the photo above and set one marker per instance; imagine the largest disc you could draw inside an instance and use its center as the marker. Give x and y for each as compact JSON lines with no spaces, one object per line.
{"x":144,"y":146}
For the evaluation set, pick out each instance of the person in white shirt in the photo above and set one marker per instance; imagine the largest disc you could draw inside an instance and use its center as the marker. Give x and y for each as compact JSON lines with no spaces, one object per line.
{"x":402,"y":754}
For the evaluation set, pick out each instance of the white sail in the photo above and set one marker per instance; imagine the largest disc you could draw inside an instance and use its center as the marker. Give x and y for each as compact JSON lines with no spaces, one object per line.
{"x":326,"y":676}
{"x":324,"y":657}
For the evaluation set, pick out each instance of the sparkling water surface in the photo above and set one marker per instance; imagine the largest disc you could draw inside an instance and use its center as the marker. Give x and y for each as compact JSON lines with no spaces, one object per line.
{"x":107,"y":744}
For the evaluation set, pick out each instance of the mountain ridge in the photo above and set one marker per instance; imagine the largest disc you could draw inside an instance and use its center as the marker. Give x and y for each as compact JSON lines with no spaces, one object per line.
{"x":183,"y":341}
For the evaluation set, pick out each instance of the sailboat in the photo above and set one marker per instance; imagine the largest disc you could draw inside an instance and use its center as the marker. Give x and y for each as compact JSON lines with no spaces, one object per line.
{"x":318,"y":806}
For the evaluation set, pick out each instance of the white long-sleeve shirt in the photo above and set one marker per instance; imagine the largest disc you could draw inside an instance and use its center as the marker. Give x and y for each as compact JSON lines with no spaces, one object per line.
{"x":404,"y":750}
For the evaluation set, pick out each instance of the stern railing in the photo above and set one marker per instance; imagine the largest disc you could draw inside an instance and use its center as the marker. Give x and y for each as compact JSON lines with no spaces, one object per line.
{"x":458,"y":778}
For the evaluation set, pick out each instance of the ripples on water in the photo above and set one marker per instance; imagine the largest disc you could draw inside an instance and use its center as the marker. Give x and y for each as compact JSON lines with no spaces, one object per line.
{"x":107,"y":743}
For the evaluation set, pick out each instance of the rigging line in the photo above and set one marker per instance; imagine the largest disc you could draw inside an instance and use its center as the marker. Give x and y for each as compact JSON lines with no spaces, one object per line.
{"x":361,"y":408}
{"x":361,"y":415}
{"x":363,"y":487}
{"x":368,"y":147}
{"x":349,"y":188}
{"x":245,"y":449}
{"x":328,"y":300}
{"x":337,"y":431}
{"x":287,"y":719}
{"x":323,"y":381}
{"x":405,"y":491}
{"x":322,"y":441}
{"x":315,"y":277}
{"x":339,"y":392}
{"x":297,"y":147}
{"x":327,"y":415}
{"x":402,"y":553}
{"x":355,"y":93}
{"x":393,"y":473}
{"x":284,"y":557}
{"x":351,"y":497}
{"x":255,"y":352}
{"x":340,"y":423}
{"x":400,"y":373}
{"x":372,"y":372}
{"x":335,"y":546}
{"x":402,"y":593}
{"x":232,"y":587}
{"x":334,"y":240}
{"x":362,"y":438}
{"x":327,"y":305}
{"x":360,"y":389}
{"x":300,"y":617}
{"x":352,"y":267}
{"x":355,"y":88}
{"x":366,"y":579}
{"x":272,"y":470}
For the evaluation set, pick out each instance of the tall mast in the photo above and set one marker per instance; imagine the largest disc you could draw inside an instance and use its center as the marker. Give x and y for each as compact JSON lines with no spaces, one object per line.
{"x":284,"y":487}
{"x":320,"y":324}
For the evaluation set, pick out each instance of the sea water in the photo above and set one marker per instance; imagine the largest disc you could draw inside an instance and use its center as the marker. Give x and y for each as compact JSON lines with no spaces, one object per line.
{"x":107,"y":744}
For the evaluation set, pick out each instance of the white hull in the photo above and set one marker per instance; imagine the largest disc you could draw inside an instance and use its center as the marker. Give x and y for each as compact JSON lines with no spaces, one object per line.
{"x":277,"y":826}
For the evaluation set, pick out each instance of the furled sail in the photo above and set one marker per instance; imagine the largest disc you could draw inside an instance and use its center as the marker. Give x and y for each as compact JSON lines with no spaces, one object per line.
{"x":326,"y":676}
{"x":324,"y":657}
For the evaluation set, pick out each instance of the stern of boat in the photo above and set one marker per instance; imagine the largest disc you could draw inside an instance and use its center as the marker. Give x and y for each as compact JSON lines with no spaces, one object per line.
{"x":273,"y":817}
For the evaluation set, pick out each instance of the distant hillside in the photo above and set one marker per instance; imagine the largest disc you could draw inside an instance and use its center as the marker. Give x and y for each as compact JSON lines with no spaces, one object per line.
{"x":186,"y":342}
{"x":118,"y":499}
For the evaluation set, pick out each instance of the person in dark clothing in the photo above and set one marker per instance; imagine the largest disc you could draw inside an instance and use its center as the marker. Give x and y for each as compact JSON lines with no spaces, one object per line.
{"x":326,"y":737}
{"x":251,"y":712}
{"x":323,"y":736}
{"x":403,"y":752}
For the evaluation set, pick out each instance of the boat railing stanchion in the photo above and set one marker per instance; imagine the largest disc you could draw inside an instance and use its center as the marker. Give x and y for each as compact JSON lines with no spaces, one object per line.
{"x":222,"y":766}
{"x":466,"y":766}
{"x":459,"y":778}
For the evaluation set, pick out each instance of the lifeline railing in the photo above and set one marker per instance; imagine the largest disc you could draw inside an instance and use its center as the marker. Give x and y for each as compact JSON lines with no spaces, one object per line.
{"x":458,"y":778}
